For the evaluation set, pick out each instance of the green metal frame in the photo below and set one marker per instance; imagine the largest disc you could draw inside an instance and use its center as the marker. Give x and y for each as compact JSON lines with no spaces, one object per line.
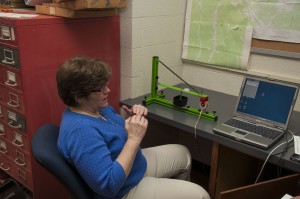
{"x":160,"y":98}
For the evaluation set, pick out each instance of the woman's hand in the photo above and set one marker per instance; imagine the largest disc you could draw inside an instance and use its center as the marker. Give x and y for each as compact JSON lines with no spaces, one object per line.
{"x":136,"y":127}
{"x":136,"y":109}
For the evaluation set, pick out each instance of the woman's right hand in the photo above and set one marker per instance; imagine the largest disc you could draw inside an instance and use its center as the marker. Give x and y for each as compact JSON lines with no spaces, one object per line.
{"x":136,"y":127}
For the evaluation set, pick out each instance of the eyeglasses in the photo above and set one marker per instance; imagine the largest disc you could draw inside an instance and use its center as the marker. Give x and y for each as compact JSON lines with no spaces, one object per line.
{"x":102,"y":90}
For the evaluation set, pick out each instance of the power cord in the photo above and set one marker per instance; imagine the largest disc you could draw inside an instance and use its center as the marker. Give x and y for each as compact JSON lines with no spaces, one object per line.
{"x":195,"y":131}
{"x":287,"y":142}
{"x":195,"y":127}
{"x":202,"y":106}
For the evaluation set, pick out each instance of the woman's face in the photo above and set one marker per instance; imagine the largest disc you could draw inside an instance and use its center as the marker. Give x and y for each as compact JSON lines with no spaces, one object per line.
{"x":97,"y":99}
{"x":100,"y":97}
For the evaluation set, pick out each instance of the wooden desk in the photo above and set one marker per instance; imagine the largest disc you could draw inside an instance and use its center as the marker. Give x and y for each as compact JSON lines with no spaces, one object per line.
{"x":227,"y":156}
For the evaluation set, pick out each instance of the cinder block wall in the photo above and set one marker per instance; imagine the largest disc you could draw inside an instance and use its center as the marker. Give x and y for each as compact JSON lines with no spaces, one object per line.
{"x":150,"y":28}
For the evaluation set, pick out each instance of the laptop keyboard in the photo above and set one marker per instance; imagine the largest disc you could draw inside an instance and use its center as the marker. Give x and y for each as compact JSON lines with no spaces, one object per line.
{"x":260,"y":130}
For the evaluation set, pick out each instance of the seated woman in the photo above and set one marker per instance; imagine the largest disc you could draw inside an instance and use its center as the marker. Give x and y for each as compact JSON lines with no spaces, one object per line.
{"x":105,"y":148}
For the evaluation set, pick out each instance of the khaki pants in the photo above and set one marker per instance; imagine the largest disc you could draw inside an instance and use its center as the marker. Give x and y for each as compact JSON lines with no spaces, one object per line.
{"x":167,"y":175}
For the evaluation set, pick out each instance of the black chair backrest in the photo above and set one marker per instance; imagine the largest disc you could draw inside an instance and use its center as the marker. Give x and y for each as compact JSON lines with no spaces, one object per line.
{"x":44,"y":150}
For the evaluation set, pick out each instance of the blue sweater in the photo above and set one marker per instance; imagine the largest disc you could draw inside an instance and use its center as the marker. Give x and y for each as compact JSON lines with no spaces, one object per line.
{"x":92,"y":145}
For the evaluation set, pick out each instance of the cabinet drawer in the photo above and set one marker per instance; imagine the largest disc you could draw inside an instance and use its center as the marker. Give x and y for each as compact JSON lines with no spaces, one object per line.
{"x":21,"y":174}
{"x":19,"y":157}
{"x":2,"y":114}
{"x":4,"y":147}
{"x":24,"y":177}
{"x":2,"y":130}
{"x":9,"y":57}
{"x":7,"y":34}
{"x":13,"y":100}
{"x":17,"y":139}
{"x":15,"y":121}
{"x":1,"y":89}
{"x":5,"y":165}
{"x":1,"y":93}
{"x":11,"y":77}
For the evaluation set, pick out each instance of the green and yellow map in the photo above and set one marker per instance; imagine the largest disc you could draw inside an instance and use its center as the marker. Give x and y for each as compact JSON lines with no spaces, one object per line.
{"x":219,"y":32}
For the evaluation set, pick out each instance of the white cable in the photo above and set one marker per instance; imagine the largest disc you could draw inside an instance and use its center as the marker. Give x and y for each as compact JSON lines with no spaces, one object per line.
{"x":195,"y":127}
{"x":271,"y":154}
{"x":201,"y":110}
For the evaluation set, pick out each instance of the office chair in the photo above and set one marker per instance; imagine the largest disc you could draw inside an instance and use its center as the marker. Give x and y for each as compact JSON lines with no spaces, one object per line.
{"x":44,"y":150}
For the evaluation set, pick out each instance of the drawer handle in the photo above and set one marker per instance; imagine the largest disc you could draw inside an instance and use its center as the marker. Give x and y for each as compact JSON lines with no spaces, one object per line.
{"x":1,"y":115}
{"x":19,"y":163}
{"x":16,"y":144}
{"x":9,"y":84}
{"x":8,"y":62}
{"x":12,"y":126}
{"x":2,"y":150}
{"x":2,"y":133}
{"x":4,"y":169}
{"x":5,"y":39}
{"x":12,"y":105}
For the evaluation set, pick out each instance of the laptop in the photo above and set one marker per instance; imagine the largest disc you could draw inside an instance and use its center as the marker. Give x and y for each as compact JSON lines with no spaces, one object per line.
{"x":262,"y":112}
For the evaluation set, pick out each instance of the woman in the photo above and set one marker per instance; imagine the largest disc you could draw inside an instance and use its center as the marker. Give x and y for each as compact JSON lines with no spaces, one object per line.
{"x":105,"y":148}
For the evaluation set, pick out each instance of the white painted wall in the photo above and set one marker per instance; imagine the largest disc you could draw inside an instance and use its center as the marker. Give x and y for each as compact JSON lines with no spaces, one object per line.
{"x":156,"y":28}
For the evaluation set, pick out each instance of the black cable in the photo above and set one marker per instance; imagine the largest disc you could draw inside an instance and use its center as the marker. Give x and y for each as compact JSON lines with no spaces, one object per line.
{"x":283,"y":152}
{"x":281,"y":159}
{"x":287,"y":148}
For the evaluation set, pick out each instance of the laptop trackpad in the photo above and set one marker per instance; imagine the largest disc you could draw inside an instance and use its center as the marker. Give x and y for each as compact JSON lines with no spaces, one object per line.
{"x":242,"y":133}
{"x":231,"y":131}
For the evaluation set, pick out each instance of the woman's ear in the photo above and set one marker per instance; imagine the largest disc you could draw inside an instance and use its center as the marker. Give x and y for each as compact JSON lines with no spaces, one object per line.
{"x":78,"y":99}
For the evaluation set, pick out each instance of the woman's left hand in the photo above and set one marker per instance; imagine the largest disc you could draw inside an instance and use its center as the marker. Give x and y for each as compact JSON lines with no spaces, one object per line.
{"x":136,"y":109}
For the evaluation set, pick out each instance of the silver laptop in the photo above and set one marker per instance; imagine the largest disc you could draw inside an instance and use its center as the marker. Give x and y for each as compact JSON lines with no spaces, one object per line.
{"x":262,"y":112}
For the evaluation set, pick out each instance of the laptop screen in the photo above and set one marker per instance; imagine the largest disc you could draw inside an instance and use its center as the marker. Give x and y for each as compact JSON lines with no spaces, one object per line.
{"x":266,"y":100}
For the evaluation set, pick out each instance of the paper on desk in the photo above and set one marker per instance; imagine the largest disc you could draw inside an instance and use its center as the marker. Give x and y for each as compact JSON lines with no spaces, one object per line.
{"x":287,"y":196}
{"x":297,"y":144}
{"x":16,"y":15}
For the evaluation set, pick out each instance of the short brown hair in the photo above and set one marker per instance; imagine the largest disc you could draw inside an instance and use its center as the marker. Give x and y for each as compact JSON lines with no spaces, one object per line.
{"x":78,"y":76}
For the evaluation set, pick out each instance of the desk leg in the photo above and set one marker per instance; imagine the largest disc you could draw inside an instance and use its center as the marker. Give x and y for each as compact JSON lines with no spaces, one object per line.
{"x":213,"y":169}
{"x":230,"y":169}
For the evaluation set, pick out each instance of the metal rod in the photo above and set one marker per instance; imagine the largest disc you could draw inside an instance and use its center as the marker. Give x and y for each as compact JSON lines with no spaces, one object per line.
{"x":178,"y":76}
{"x":154,"y":77}
{"x":181,"y":90}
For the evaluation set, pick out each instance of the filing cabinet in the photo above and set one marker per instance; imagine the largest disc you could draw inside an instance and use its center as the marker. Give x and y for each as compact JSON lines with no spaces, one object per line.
{"x":31,"y":50}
